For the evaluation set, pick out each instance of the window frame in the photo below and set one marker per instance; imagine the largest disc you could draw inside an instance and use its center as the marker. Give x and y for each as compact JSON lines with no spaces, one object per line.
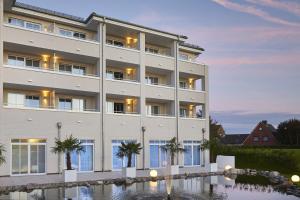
{"x":192,"y":144}
{"x":117,"y":143}
{"x":25,"y":24}
{"x":158,"y":143}
{"x":71,"y":34}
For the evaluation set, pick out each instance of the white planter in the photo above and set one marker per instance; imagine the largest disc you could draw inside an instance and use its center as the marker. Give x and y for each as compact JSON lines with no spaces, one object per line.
{"x":174,"y":169}
{"x":70,"y":175}
{"x":129,"y":172}
{"x":212,"y":167}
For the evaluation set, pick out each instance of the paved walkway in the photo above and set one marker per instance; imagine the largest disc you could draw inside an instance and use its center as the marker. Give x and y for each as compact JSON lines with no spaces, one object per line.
{"x":58,"y":178}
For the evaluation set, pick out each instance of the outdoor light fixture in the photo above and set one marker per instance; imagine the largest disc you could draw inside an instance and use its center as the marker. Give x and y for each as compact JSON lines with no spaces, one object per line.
{"x":228,"y":167}
{"x":295,"y":179}
{"x":153,"y":173}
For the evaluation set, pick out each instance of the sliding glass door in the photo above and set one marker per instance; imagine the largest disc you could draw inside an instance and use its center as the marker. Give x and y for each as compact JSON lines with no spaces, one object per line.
{"x":28,"y":156}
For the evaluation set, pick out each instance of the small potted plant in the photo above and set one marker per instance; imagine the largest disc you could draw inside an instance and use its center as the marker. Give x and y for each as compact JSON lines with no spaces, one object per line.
{"x":127,"y":150}
{"x":67,"y":146}
{"x":172,"y":147}
{"x":2,"y":157}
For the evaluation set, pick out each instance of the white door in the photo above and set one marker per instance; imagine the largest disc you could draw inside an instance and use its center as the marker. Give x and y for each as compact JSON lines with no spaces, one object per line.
{"x":15,"y":100}
{"x":78,"y":104}
{"x":110,"y":107}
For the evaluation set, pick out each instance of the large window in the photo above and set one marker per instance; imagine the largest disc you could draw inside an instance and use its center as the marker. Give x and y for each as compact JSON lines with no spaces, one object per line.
{"x":118,"y":163}
{"x":158,"y":157}
{"x":183,"y":85}
{"x":65,"y":104}
{"x":153,"y":110}
{"x":151,"y":80}
{"x":151,"y":50}
{"x":84,"y":160}
{"x":115,"y":107}
{"x":25,"y":24}
{"x":114,"y":75}
{"x":192,"y":153}
{"x":23,"y":62}
{"x":115,"y":42}
{"x":74,"y":69}
{"x":32,"y":101}
{"x":28,"y":156}
{"x":74,"y":34}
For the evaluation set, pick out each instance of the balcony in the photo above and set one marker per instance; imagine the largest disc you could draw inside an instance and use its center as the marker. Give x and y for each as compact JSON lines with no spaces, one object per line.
{"x":22,"y":97}
{"x":122,"y":105}
{"x":189,"y":110}
{"x":48,"y":40}
{"x":159,"y":108}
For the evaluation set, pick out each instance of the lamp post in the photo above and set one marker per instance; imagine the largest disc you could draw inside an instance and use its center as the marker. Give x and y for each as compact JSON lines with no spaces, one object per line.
{"x":143,"y":139}
{"x":59,"y":125}
{"x":203,"y":152}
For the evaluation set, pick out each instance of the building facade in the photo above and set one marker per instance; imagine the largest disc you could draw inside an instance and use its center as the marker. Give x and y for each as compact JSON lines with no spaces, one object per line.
{"x":264,"y":134}
{"x":102,"y":80}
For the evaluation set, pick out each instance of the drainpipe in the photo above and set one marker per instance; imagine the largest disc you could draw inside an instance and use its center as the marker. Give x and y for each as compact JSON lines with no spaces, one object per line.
{"x":203,"y":151}
{"x":59,"y":125}
{"x":143,"y":139}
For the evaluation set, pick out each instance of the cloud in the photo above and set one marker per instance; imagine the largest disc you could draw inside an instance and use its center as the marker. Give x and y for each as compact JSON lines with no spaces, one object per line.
{"x":291,"y":7}
{"x":254,"y":11}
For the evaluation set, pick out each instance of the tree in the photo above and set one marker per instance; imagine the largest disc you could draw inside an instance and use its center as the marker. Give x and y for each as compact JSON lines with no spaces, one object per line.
{"x":214,"y":146}
{"x":289,"y":132}
{"x":2,"y":157}
{"x":173,"y":148}
{"x":216,"y":129}
{"x":67,"y":146}
{"x":128,"y":149}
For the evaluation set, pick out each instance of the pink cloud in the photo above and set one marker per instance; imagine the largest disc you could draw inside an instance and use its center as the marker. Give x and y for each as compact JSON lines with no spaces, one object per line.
{"x":254,"y":11}
{"x":291,"y":7}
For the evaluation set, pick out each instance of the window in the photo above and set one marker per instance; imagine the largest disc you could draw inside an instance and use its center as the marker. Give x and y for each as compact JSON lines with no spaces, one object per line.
{"x":32,"y":63}
{"x":65,"y":68}
{"x":200,"y":111}
{"x":118,"y":108}
{"x":74,"y":34}
{"x":65,"y":104}
{"x":115,"y":42}
{"x":192,"y":153}
{"x":16,"y":100}
{"x":151,"y":50}
{"x":153,"y":110}
{"x":32,"y":101}
{"x":84,"y":160}
{"x":183,"y":84}
{"x":110,"y":107}
{"x":16,"y":61}
{"x":25,"y":24}
{"x":183,"y":56}
{"x":114,"y":75}
{"x":255,"y":139}
{"x":183,"y":112}
{"x":28,"y":156}
{"x":265,"y":138}
{"x":158,"y":157}
{"x":78,"y":104}
{"x":78,"y":70}
{"x":117,"y":162}
{"x":151,"y":80}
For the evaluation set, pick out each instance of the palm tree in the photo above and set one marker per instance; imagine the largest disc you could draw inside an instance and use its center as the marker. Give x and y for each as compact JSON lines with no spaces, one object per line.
{"x":2,"y":157}
{"x":127,"y":150}
{"x":67,"y":146}
{"x":173,"y":148}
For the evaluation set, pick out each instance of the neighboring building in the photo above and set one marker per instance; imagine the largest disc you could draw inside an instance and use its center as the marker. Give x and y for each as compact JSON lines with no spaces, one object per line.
{"x":264,"y":134}
{"x":102,"y":80}
{"x":234,"y":139}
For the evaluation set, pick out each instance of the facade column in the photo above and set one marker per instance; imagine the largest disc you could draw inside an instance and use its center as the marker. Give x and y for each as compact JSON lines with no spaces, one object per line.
{"x":176,"y":103}
{"x":206,"y":114}
{"x":142,"y":163}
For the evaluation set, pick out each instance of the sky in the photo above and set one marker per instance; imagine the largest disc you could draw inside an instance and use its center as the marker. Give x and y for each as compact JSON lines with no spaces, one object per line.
{"x":252,"y":48}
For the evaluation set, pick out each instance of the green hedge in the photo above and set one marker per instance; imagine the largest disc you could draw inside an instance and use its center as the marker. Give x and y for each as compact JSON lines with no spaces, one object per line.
{"x":286,"y":161}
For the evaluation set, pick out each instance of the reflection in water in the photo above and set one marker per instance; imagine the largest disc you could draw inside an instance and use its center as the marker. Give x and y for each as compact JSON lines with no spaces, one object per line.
{"x":214,"y":187}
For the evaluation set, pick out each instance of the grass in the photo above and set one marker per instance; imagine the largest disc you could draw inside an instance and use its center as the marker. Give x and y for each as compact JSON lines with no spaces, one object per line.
{"x":286,"y":161}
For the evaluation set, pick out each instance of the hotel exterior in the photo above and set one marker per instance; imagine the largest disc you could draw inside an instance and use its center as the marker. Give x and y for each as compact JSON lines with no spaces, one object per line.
{"x":102,"y":80}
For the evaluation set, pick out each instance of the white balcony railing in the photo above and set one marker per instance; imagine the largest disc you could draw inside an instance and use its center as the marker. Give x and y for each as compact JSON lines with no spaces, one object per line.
{"x":40,"y":107}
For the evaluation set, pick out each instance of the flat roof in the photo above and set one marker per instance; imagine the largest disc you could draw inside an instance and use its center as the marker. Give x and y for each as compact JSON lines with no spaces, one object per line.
{"x":86,"y":20}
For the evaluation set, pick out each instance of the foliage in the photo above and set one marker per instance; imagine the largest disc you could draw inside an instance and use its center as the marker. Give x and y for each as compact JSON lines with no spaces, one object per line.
{"x":67,"y":146}
{"x":289,"y":132}
{"x":216,"y":129}
{"x":214,"y":147}
{"x":128,"y":149}
{"x":286,"y":161}
{"x":173,"y":148}
{"x":2,"y":157}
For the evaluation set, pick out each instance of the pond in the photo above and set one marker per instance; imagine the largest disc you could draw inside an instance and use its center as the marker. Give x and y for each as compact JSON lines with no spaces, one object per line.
{"x":213,"y":187}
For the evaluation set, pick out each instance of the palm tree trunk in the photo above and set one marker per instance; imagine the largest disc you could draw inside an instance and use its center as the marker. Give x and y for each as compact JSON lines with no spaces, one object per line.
{"x":129,"y":160}
{"x":69,"y":165}
{"x":172,"y":158}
